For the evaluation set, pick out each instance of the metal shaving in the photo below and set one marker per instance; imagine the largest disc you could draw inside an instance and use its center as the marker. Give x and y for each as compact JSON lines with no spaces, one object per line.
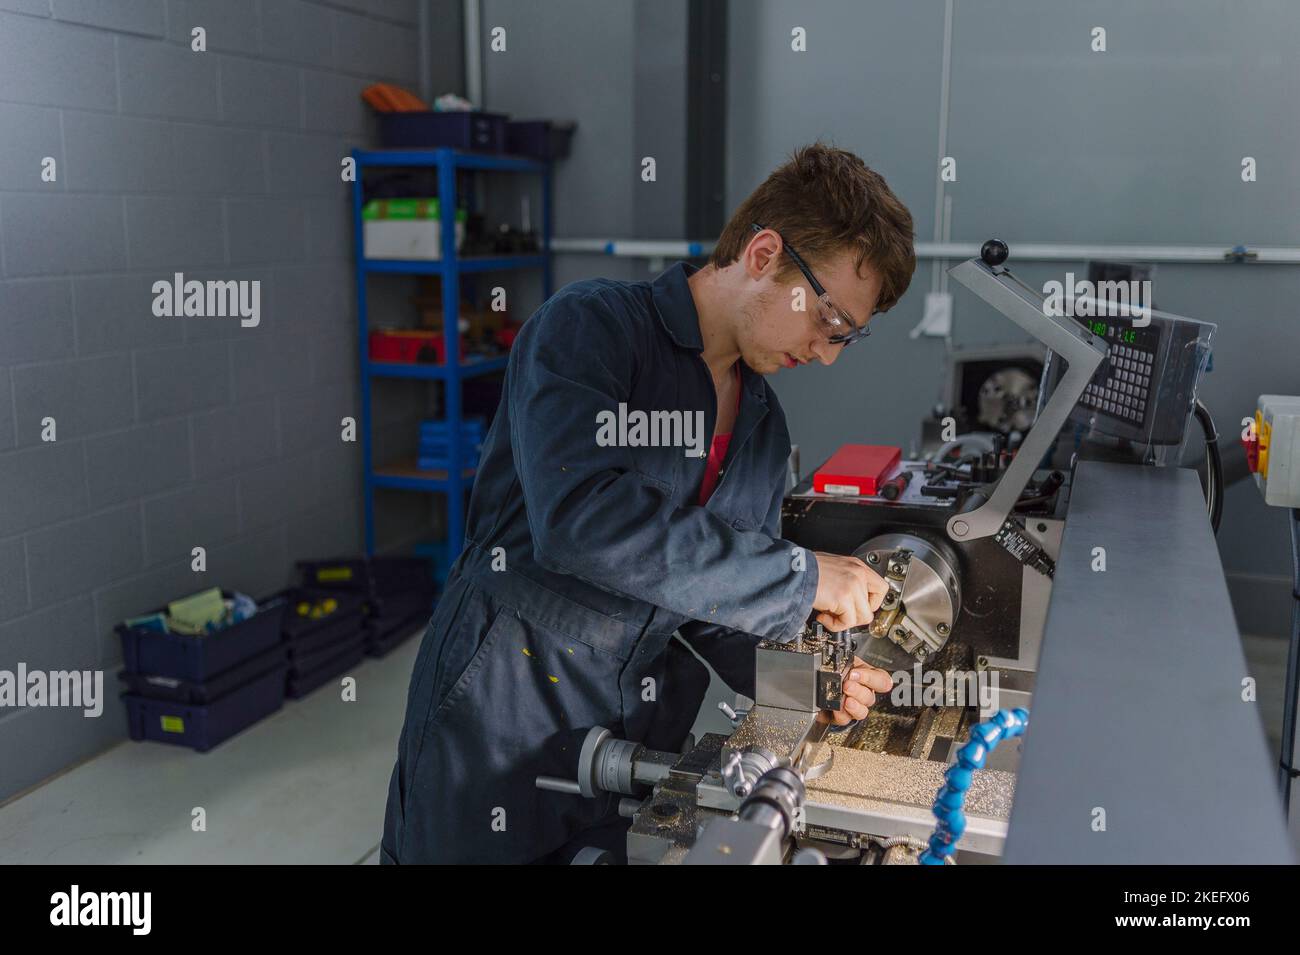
{"x":859,"y":779}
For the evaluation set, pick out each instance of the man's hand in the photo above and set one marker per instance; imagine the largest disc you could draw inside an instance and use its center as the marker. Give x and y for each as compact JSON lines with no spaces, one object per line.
{"x":859,"y":684}
{"x":848,"y":592}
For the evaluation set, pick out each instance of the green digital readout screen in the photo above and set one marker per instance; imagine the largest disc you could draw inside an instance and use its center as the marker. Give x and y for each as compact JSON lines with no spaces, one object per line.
{"x":1124,"y":336}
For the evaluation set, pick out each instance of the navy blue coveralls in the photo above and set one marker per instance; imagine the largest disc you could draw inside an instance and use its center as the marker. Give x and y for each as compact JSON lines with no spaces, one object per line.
{"x":582,"y":558}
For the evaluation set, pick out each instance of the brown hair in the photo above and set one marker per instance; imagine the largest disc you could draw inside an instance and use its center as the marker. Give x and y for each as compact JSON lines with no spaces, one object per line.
{"x":824,"y":200}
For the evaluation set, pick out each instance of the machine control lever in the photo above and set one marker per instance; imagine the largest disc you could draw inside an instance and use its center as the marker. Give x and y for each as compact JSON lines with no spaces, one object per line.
{"x":1082,"y":352}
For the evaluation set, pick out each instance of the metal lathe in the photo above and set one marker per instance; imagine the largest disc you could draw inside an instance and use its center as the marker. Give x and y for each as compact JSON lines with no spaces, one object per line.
{"x":1084,"y":589}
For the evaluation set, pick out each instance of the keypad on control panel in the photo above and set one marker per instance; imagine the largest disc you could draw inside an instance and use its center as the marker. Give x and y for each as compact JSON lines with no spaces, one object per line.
{"x":1124,"y":391}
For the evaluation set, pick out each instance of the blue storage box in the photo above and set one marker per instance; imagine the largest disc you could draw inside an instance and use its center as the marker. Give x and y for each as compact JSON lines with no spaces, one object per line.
{"x":398,"y":592}
{"x":373,"y":577}
{"x":442,"y":425}
{"x":203,"y":726}
{"x":397,"y":619}
{"x":387,"y":612}
{"x":468,"y":459}
{"x":199,"y":658}
{"x":542,"y":139}
{"x":391,"y":576}
{"x":337,"y":573}
{"x":468,"y":129}
{"x":319,"y":655}
{"x":436,"y":437}
{"x":305,"y":634}
{"x":300,"y":684}
{"x":184,"y":691}
{"x":382,"y":645}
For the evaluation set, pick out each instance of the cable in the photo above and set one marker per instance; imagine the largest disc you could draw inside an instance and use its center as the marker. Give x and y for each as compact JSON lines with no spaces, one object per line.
{"x":983,"y":740}
{"x":983,"y":439}
{"x":1213,"y":466}
{"x":1288,"y":771}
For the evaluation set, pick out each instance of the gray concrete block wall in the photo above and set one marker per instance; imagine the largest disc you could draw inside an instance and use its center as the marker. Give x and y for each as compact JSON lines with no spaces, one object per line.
{"x":174,"y":432}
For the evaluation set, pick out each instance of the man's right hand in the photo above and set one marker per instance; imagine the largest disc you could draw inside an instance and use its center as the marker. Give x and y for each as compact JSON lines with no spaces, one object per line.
{"x":848,"y":592}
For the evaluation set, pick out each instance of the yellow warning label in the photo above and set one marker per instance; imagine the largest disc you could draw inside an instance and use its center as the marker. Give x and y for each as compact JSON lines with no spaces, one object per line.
{"x":1265,"y":439}
{"x":173,"y":724}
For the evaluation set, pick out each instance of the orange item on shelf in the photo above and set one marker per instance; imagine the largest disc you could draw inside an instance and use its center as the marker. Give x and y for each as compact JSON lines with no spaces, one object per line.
{"x":387,"y":98}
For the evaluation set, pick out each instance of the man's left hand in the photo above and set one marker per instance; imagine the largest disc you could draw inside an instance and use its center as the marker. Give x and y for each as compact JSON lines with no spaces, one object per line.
{"x":861,"y":684}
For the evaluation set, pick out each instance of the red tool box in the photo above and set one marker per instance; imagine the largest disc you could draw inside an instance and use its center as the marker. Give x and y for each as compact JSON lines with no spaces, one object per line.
{"x":400,"y":345}
{"x":857,"y":469}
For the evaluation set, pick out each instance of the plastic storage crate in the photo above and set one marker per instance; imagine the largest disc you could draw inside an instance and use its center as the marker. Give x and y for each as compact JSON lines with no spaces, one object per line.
{"x":196,"y":659}
{"x":300,"y":683}
{"x":407,"y":347}
{"x":469,"y":130}
{"x":313,"y":658}
{"x":388,"y":612}
{"x":203,"y":726}
{"x":381,"y":646}
{"x":398,"y":619}
{"x":304,"y":634}
{"x":542,"y":139}
{"x":373,"y":577}
{"x":436,"y":439}
{"x":398,"y":593}
{"x":185,"y":691}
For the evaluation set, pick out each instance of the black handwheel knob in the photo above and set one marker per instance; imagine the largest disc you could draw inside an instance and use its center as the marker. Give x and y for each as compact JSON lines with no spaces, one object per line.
{"x":994,"y":252}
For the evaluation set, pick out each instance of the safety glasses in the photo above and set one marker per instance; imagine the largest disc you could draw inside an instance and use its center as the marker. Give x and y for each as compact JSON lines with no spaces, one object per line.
{"x":834,"y":323}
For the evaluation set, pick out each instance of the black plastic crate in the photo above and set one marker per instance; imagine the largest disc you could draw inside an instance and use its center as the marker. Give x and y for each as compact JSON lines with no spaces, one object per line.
{"x":374,"y":577}
{"x":469,"y":130}
{"x":305,"y":634}
{"x":339,"y":573}
{"x":384,"y":612}
{"x":197,"y":659}
{"x":542,"y":139}
{"x":305,"y":661}
{"x":380,"y":644}
{"x":393,"y":575}
{"x":203,"y":726}
{"x":300,"y":684}
{"x":184,"y":691}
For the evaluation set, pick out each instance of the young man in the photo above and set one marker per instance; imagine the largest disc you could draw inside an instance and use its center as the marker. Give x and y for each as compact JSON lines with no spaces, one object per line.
{"x":592,"y":538}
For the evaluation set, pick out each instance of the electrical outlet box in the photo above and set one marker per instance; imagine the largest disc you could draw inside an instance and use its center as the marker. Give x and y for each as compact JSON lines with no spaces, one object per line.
{"x":1277,"y":427}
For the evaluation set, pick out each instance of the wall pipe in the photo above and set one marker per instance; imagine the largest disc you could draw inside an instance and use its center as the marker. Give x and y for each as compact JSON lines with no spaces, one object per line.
{"x":1023,"y":251}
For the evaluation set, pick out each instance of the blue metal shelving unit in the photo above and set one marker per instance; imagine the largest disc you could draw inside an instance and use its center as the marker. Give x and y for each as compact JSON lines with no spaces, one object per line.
{"x":456,"y":479}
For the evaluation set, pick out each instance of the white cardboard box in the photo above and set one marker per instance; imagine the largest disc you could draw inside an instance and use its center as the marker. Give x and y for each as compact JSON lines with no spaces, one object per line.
{"x":406,"y":238}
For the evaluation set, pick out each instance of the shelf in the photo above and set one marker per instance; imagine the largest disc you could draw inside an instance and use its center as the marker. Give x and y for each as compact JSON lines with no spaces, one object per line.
{"x":468,"y":369}
{"x":461,"y":160}
{"x":475,"y":263}
{"x":405,"y":476}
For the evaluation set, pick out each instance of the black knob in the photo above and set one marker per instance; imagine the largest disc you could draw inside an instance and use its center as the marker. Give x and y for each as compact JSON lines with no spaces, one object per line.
{"x":994,"y":252}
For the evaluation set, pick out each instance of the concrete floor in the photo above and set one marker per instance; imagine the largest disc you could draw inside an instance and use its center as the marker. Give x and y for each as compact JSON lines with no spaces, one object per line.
{"x":306,"y":785}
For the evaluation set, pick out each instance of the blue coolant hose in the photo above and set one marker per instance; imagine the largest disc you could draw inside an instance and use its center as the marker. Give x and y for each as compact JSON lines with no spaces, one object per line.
{"x":984,"y":739}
